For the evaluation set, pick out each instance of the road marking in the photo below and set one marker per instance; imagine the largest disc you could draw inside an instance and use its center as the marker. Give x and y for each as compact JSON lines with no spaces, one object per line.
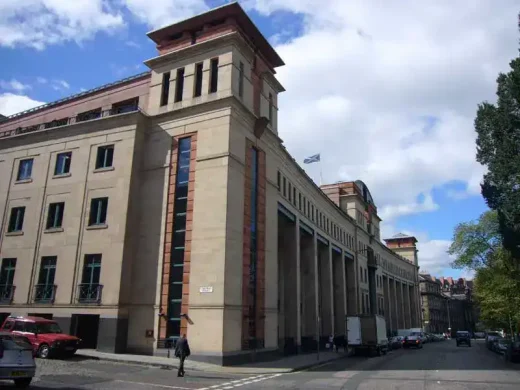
{"x":154,"y":385}
{"x":241,"y":382}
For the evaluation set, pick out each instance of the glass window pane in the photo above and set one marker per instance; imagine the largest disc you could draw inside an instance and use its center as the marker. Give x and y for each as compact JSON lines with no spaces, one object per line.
{"x":179,"y":222}
{"x":175,"y":310}
{"x":180,"y":206}
{"x":179,"y":239}
{"x":177,"y":273}
{"x":176,"y":291}
{"x":177,"y":256}
{"x":174,"y":328}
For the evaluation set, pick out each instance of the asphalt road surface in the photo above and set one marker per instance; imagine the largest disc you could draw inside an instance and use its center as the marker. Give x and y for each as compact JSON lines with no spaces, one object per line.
{"x":437,"y":366}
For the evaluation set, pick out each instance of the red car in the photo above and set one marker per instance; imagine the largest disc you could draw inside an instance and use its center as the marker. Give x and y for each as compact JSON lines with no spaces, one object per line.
{"x":45,"y":336}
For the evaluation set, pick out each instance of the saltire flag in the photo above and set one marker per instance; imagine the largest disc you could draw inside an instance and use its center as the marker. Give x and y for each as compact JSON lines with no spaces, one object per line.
{"x":312,"y":159}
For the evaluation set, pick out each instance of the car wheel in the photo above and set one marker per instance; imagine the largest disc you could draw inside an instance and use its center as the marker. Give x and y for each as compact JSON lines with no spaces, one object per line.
{"x":22,"y":383}
{"x":44,"y":351}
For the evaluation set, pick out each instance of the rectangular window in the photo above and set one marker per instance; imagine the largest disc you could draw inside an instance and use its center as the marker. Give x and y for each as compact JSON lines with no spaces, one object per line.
{"x":98,"y":211}
{"x":165,"y":88}
{"x":6,"y":279}
{"x":91,"y":270}
{"x":44,"y":290}
{"x":294,"y":194}
{"x":241,"y":80}
{"x":361,"y":273}
{"x":284,"y":187}
{"x":16,"y":219}
{"x":270,"y":108}
{"x":25,"y":169}
{"x":279,"y":181}
{"x":89,"y":115}
{"x":105,"y":156}
{"x":129,"y":105}
{"x":179,"y":85}
{"x":63,"y":161}
{"x":363,"y":303}
{"x":213,"y":80}
{"x":300,"y":201}
{"x":198,"y":79}
{"x":312,"y":212}
{"x":366,"y":276}
{"x":290,"y":192}
{"x":55,"y":216}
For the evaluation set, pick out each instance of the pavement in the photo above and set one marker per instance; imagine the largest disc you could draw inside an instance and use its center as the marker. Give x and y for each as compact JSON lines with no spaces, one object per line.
{"x":283,"y":365}
{"x":438,"y":366}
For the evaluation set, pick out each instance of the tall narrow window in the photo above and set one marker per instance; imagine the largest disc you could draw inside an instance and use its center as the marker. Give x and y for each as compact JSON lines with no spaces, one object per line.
{"x":198,"y":79}
{"x":105,"y":156}
{"x":178,"y":237}
{"x":179,"y":85}
{"x":165,"y":89}
{"x":241,"y":80}
{"x":270,"y":108}
{"x":16,"y":219}
{"x":98,"y":211}
{"x":90,"y":289}
{"x":63,"y":163}
{"x":253,"y":257}
{"x":55,"y":217}
{"x":7,"y":279}
{"x":44,"y":290}
{"x":213,"y":80}
{"x":25,"y":169}
{"x":284,"y":187}
{"x":279,"y":181}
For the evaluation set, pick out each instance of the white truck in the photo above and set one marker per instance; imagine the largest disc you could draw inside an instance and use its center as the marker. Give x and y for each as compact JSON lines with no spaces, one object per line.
{"x":367,"y":333}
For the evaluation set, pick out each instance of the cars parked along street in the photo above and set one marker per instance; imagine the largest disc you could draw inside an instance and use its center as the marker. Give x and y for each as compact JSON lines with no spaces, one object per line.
{"x":45,"y":336}
{"x":16,"y":359}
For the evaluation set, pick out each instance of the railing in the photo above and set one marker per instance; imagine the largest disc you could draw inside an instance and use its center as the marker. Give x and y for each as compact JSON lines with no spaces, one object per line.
{"x":45,"y":293}
{"x":6,"y":293}
{"x":89,"y":293}
{"x":70,"y":121}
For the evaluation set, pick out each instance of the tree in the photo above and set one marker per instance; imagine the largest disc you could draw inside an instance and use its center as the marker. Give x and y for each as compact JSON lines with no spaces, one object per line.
{"x":474,"y":242}
{"x":497,"y":290}
{"x":498,"y":148}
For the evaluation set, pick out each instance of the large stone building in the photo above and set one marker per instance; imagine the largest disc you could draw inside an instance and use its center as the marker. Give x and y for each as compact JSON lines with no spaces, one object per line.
{"x":166,"y":203}
{"x":435,"y":306}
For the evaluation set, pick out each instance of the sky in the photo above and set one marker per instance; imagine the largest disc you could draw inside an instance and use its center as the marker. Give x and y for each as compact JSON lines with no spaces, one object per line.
{"x":386,"y":91}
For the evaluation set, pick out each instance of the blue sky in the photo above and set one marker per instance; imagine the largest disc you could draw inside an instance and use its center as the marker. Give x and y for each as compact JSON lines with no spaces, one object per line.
{"x":390,"y":101}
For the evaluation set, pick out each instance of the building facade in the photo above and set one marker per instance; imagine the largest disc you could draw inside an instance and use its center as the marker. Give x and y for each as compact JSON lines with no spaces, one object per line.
{"x":166,"y":203}
{"x":435,"y":305}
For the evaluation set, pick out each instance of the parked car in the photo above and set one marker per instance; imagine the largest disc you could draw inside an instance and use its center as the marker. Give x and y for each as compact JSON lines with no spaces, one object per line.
{"x":463,"y":337}
{"x":490,"y":337}
{"x":512,"y":353}
{"x":16,"y":359}
{"x":502,"y":345}
{"x":396,"y":342}
{"x":414,"y":339}
{"x":45,"y":336}
{"x":480,"y":335}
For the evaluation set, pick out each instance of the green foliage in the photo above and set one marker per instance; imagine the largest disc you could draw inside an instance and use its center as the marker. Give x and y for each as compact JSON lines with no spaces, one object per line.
{"x":498,"y":147}
{"x":473,"y":242}
{"x":497,"y":290}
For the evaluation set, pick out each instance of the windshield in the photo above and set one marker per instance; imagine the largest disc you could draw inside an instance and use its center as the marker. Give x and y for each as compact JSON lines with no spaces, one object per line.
{"x":48,"y":327}
{"x":462,"y":333}
{"x":492,"y":334}
{"x":415,"y":334}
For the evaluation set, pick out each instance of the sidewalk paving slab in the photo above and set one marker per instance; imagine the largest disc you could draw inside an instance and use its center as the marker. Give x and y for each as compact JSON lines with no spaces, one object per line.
{"x":284,"y":365}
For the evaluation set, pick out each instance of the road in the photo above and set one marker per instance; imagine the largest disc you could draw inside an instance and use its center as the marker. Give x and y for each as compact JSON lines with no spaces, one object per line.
{"x":437,"y":366}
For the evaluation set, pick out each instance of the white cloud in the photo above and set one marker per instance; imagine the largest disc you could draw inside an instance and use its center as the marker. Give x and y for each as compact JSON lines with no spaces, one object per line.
{"x":164,"y":12}
{"x":133,"y":44}
{"x":39,"y":23}
{"x":388,"y":92}
{"x":13,"y":85}
{"x":60,"y":85}
{"x":41,"y":80}
{"x":11,"y":104}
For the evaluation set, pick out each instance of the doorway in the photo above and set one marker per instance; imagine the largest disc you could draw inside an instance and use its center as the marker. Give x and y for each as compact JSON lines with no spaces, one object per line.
{"x":85,"y":326}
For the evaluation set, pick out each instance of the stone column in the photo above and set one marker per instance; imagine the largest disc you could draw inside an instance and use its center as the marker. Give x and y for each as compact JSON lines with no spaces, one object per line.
{"x":316,"y":288}
{"x":298,"y":302}
{"x":403,"y":316}
{"x":388,"y":301}
{"x":331,"y":290}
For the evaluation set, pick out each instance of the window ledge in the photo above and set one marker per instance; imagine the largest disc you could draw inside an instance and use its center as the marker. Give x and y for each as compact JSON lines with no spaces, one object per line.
{"x":60,"y":175}
{"x":97,"y":227}
{"x":53,"y":230}
{"x":107,"y":169}
{"x":23,"y":181}
{"x":18,"y":233}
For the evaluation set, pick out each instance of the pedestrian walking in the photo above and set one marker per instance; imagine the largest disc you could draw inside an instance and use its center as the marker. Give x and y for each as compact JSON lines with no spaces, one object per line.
{"x":182,"y":351}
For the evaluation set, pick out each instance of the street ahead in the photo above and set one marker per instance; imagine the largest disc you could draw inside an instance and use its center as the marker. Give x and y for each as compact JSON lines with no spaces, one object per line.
{"x":437,"y":366}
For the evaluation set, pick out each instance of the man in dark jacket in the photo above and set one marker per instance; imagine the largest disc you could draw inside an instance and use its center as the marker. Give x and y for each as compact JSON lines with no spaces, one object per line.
{"x":182,"y":351}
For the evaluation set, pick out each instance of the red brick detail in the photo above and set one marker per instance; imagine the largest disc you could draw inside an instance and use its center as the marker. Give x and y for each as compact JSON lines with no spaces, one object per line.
{"x":260,"y":268}
{"x":165,"y":285}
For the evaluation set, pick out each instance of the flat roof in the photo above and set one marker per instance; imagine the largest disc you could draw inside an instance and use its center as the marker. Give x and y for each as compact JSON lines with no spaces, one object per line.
{"x":233,"y":10}
{"x":74,"y":97}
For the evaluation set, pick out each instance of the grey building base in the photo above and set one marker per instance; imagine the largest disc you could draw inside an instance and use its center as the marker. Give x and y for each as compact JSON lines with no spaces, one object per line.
{"x":112,"y":335}
{"x":64,"y":323}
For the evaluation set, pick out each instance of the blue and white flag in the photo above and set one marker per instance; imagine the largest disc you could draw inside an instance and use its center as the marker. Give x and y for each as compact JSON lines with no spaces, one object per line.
{"x":312,"y":159}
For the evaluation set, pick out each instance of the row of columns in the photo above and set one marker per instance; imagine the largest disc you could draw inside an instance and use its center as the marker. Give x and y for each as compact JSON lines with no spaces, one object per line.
{"x":314,"y":280}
